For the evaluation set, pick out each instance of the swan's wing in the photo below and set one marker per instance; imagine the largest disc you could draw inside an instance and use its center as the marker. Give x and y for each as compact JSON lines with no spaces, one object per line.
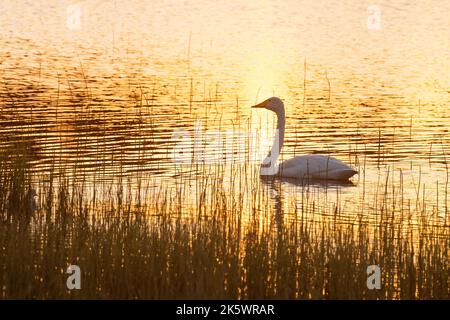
{"x":316,"y":167}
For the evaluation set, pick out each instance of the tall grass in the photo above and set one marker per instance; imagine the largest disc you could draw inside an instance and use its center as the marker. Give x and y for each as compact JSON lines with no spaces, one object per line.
{"x":219,"y":242}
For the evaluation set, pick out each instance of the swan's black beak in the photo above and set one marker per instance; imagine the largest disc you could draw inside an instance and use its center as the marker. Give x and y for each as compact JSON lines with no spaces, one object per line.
{"x":261,"y":105}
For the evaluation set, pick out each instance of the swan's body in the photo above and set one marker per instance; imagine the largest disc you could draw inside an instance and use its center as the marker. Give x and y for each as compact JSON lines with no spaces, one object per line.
{"x":302,"y":167}
{"x":315,"y":167}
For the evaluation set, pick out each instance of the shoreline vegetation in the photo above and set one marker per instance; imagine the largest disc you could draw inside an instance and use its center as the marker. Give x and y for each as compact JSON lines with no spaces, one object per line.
{"x":230,"y":243}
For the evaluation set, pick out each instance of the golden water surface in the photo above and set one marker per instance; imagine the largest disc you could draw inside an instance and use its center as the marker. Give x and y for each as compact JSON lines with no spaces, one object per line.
{"x":108,"y":88}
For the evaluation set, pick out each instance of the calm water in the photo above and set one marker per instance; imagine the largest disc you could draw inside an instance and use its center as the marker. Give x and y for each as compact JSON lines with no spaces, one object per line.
{"x":102,"y":95}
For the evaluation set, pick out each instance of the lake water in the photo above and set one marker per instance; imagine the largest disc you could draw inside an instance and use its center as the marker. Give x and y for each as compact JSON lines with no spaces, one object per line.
{"x":105,"y":89}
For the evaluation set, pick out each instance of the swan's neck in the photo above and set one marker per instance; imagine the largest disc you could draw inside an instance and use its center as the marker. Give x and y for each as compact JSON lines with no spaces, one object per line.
{"x":269,"y":166}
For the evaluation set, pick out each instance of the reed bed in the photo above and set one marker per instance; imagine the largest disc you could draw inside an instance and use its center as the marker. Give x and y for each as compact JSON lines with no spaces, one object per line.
{"x":135,"y":240}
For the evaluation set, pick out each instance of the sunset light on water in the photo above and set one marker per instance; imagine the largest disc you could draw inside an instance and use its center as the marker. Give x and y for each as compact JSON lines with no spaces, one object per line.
{"x":131,"y":159}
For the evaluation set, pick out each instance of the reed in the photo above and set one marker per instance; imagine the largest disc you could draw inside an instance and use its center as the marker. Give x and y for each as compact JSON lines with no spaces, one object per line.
{"x":239,"y":240}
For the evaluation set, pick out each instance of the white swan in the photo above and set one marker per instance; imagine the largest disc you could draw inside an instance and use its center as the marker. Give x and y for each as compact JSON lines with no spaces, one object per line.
{"x":303,"y":167}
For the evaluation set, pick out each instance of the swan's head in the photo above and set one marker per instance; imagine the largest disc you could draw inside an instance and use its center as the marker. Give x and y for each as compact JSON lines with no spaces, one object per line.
{"x":273,"y":104}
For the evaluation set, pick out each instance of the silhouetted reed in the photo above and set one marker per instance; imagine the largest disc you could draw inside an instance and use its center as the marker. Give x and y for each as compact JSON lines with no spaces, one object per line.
{"x":133,"y":241}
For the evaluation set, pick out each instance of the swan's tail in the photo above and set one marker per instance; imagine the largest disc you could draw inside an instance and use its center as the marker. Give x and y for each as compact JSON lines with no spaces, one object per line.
{"x":344,"y":174}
